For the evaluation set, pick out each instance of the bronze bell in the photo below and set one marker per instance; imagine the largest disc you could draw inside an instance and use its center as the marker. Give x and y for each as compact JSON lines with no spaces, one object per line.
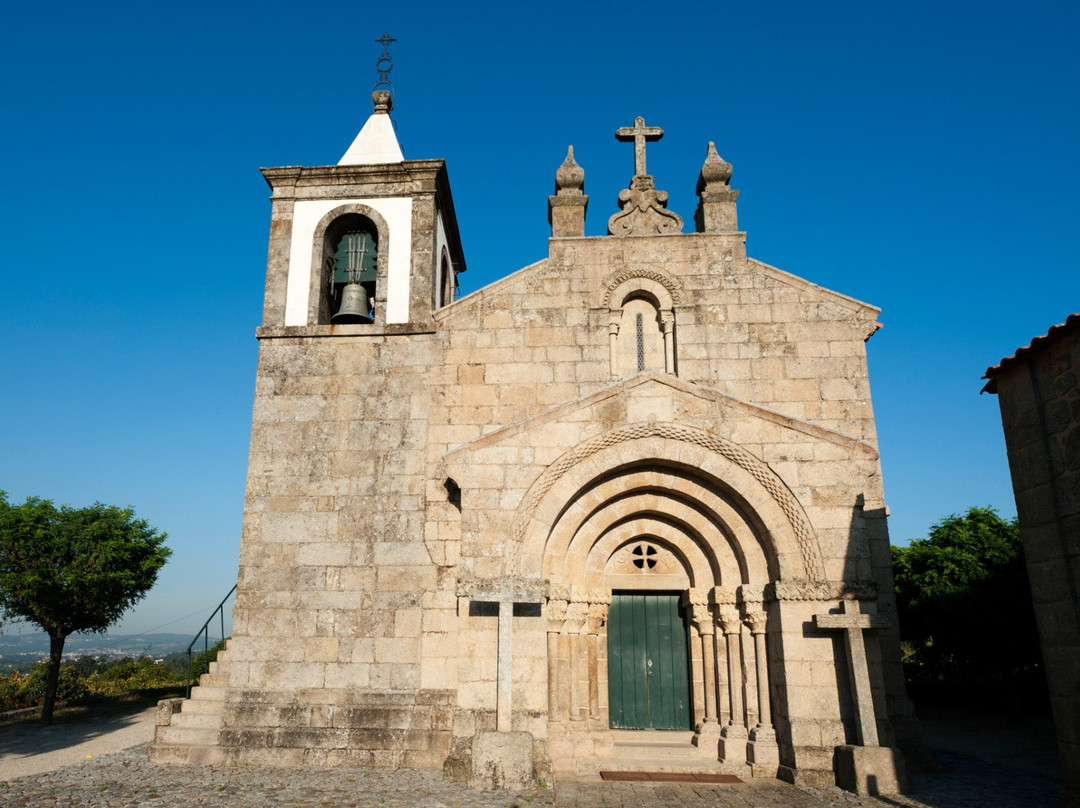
{"x":355,"y":306}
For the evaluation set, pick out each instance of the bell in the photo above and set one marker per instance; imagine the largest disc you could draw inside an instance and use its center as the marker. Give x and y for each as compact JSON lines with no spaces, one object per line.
{"x":354,"y":306}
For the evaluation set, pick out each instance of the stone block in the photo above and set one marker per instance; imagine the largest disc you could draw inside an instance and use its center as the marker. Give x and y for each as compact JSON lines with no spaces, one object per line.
{"x":870,"y":770}
{"x":502,"y":761}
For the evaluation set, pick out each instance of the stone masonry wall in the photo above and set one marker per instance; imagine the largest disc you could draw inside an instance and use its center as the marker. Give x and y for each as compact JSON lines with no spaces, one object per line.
{"x":1040,"y":413}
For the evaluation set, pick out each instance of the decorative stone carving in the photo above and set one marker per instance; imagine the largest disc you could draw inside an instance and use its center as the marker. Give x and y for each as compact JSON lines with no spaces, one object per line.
{"x":644,"y":209}
{"x":556,"y":614}
{"x":716,"y":204}
{"x":804,"y":534}
{"x":567,"y":208}
{"x":644,"y":558}
{"x":756,"y":619}
{"x":821,"y":590}
{"x":727,"y":617}
{"x":722,"y":595}
{"x":644,"y":212}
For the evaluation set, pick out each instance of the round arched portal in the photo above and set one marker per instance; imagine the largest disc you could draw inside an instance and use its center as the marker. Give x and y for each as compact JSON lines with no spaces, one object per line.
{"x":658,"y":544}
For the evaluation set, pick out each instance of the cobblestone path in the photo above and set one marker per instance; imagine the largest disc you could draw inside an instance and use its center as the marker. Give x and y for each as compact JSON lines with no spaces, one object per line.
{"x":128,"y":780}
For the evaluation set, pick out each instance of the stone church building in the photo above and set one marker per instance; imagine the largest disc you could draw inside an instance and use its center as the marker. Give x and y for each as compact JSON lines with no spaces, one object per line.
{"x":622,"y":505}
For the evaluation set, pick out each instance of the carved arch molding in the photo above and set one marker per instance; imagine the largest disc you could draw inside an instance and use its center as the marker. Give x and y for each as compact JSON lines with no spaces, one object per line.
{"x":804,"y":536}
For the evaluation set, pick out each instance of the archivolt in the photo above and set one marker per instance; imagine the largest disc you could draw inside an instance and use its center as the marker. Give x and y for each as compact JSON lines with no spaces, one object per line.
{"x":804,"y":536}
{"x":670,"y":288}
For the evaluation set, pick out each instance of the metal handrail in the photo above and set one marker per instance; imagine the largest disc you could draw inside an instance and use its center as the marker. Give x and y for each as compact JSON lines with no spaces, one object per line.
{"x":205,"y":633}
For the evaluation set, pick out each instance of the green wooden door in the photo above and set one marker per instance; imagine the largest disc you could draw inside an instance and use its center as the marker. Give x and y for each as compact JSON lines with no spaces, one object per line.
{"x":648,"y":678}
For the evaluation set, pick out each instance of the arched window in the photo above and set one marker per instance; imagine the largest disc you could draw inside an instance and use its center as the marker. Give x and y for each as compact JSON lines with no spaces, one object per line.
{"x":350,"y":257}
{"x":641,"y":322}
{"x":641,"y":342}
{"x":447,"y":279}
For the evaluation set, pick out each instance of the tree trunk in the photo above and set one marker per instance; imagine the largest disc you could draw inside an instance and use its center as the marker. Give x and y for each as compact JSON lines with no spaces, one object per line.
{"x":52,"y":679}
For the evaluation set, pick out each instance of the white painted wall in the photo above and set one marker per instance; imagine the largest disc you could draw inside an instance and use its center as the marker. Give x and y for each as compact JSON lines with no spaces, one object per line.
{"x":306,"y":215}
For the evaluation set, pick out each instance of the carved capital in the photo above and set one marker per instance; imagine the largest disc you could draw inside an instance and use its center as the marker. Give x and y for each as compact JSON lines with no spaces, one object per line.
{"x":756,"y":620}
{"x":556,"y":614}
{"x":727,"y":617}
{"x":597,"y":617}
{"x":577,"y":613}
{"x":702,"y":619}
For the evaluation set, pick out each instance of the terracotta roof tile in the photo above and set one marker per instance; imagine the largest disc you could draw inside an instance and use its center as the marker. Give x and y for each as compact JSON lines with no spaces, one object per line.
{"x":1072,"y":323}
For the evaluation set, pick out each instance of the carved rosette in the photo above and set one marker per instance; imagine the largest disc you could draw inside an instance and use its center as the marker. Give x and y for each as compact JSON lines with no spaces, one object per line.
{"x":644,"y":558}
{"x":644,"y":211}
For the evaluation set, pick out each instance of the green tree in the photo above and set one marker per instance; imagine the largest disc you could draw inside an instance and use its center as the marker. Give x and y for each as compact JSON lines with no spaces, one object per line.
{"x":964,"y":601}
{"x":73,"y":570}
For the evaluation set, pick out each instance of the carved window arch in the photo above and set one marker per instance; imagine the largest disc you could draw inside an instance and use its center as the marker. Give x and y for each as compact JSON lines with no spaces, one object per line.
{"x":641,"y":323}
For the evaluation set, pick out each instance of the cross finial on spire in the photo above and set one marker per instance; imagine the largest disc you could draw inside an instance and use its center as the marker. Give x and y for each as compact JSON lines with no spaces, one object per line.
{"x":639,"y":133}
{"x":384,"y":64}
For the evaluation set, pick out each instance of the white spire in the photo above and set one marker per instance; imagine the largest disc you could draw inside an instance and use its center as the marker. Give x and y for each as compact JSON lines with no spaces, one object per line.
{"x":377,"y":141}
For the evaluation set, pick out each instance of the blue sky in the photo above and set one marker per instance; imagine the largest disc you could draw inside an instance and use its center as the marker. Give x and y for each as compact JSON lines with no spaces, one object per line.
{"x":920,"y":156}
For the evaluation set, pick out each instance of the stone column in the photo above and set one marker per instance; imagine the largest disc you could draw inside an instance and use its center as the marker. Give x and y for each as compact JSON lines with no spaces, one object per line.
{"x":733,"y":735}
{"x":667,"y":326}
{"x":707,"y":737}
{"x":596,"y":620}
{"x":576,"y":615}
{"x":761,"y":750}
{"x":566,"y":209}
{"x":614,"y":319}
{"x":558,"y":708}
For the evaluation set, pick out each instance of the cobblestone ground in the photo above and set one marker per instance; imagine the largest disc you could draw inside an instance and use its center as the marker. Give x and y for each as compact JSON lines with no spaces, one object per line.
{"x":129,"y":780}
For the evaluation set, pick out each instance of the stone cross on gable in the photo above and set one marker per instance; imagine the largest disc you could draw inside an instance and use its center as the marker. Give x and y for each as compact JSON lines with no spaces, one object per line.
{"x":853,"y":622}
{"x":505,"y":593}
{"x":639,"y":133}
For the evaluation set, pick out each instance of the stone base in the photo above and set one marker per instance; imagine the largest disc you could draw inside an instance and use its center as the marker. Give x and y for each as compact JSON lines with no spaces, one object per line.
{"x":707,"y":740}
{"x":732,"y":746}
{"x":762,"y":753}
{"x":502,"y":761}
{"x":870,"y":770}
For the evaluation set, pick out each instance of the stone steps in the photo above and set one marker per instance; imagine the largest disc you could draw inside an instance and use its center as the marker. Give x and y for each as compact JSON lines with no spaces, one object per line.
{"x":655,"y":751}
{"x":191,"y":734}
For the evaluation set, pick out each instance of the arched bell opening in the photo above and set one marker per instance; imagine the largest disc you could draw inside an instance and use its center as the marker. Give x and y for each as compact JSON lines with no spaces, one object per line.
{"x":349,"y":270}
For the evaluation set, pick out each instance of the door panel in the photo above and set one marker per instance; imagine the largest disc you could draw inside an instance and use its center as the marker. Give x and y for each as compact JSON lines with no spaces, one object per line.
{"x":648,"y":675}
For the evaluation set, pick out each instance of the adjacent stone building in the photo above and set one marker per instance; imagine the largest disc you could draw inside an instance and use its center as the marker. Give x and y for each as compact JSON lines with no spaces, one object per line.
{"x":624,"y":504}
{"x":1038,"y":389}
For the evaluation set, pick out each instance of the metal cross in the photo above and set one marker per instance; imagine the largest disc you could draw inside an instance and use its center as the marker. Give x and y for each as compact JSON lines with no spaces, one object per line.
{"x":384,"y":64}
{"x":639,"y":133}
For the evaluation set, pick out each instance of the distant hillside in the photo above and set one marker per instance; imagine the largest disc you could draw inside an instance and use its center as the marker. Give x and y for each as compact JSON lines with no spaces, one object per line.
{"x":23,"y":650}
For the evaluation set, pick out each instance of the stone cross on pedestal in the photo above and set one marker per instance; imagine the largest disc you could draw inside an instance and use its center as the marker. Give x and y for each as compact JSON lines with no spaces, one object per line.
{"x":853,"y":622}
{"x":639,"y":133}
{"x":505,"y":594}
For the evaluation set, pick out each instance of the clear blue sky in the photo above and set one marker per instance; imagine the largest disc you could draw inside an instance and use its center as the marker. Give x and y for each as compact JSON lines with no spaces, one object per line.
{"x":920,"y":156}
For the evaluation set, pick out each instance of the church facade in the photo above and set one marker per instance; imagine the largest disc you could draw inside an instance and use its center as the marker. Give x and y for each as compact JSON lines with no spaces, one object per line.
{"x":601,"y":509}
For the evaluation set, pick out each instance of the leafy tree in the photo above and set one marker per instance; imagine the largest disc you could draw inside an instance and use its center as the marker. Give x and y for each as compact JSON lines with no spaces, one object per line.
{"x":73,"y":569}
{"x":964,"y":601}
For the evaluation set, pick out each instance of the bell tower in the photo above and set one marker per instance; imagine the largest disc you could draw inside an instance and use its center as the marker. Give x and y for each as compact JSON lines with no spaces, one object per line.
{"x":367,"y":246}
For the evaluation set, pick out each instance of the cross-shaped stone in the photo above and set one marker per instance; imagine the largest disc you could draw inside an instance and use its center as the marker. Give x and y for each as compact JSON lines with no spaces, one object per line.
{"x":505,"y":593}
{"x":853,"y":622}
{"x":639,"y":133}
